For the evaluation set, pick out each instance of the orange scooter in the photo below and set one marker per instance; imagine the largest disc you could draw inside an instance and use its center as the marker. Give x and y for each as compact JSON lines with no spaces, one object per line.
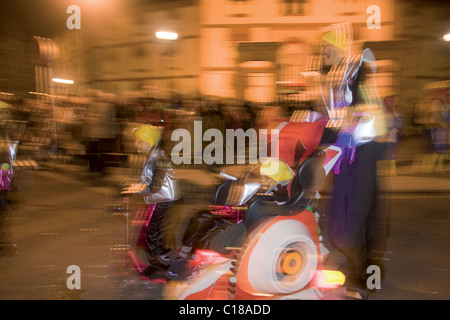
{"x":282,"y":254}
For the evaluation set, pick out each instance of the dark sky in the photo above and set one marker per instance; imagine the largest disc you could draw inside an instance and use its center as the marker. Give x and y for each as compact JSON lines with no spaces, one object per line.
{"x":48,"y":18}
{"x":37,"y":17}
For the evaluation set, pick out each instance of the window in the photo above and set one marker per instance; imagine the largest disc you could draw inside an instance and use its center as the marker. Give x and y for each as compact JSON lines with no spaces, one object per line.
{"x":239,"y":35}
{"x":138,"y":52}
{"x":240,"y":8}
{"x":293,"y":7}
{"x":351,"y":7}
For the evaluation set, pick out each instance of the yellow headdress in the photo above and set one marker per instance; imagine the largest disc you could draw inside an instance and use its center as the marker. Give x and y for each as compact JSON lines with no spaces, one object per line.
{"x":332,"y":38}
{"x":150,"y":134}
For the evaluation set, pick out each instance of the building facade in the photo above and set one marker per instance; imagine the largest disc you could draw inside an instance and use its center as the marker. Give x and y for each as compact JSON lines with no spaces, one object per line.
{"x":116,"y":50}
{"x":258,"y":50}
{"x":16,"y":67}
{"x":246,"y":49}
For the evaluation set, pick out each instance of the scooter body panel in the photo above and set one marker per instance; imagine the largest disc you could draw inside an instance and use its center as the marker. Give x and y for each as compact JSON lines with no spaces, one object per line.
{"x":222,"y":282}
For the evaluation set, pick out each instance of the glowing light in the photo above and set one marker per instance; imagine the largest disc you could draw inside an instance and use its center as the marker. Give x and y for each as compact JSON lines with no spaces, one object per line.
{"x":39,"y":93}
{"x":329,"y":278}
{"x":166,"y":35}
{"x":446,"y":37}
{"x":203,"y":257}
{"x":65,"y":81}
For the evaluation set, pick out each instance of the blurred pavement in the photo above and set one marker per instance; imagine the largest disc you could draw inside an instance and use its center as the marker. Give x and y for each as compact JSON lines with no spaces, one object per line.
{"x":60,"y":220}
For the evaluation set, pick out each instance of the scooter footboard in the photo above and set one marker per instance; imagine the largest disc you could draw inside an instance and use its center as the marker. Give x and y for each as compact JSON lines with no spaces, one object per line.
{"x":210,"y":284}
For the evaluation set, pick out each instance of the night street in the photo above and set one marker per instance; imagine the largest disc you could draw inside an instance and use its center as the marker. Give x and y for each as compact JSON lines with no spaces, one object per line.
{"x":60,"y":220}
{"x":227,"y":150}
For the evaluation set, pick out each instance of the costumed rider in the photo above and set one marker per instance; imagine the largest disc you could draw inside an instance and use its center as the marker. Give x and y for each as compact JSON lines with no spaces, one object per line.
{"x":350,"y":97}
{"x":158,"y":186}
{"x":212,"y":231}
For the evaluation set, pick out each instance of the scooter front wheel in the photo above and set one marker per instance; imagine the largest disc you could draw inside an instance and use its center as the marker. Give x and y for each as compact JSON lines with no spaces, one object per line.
{"x":281,"y":258}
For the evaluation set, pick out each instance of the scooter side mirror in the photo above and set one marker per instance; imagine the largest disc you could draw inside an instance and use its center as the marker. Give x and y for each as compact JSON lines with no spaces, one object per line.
{"x":227,"y":176}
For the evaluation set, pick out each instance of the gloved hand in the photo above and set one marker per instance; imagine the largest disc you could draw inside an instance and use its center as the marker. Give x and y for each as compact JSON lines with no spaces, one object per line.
{"x":136,"y":188}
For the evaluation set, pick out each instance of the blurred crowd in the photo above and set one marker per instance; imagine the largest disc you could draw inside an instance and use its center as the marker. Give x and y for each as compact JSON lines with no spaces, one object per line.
{"x":432,"y":114}
{"x":96,"y":128}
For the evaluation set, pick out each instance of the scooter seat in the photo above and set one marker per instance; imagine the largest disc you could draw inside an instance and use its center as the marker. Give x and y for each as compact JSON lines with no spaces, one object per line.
{"x":301,"y":190}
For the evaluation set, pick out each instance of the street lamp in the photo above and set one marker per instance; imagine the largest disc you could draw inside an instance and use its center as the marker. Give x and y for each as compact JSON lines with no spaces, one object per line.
{"x":65,"y":81}
{"x":166,"y":35}
{"x":166,"y":40}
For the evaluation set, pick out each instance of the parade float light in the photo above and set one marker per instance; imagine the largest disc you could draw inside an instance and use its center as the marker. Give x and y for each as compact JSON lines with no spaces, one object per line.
{"x":329,"y":279}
